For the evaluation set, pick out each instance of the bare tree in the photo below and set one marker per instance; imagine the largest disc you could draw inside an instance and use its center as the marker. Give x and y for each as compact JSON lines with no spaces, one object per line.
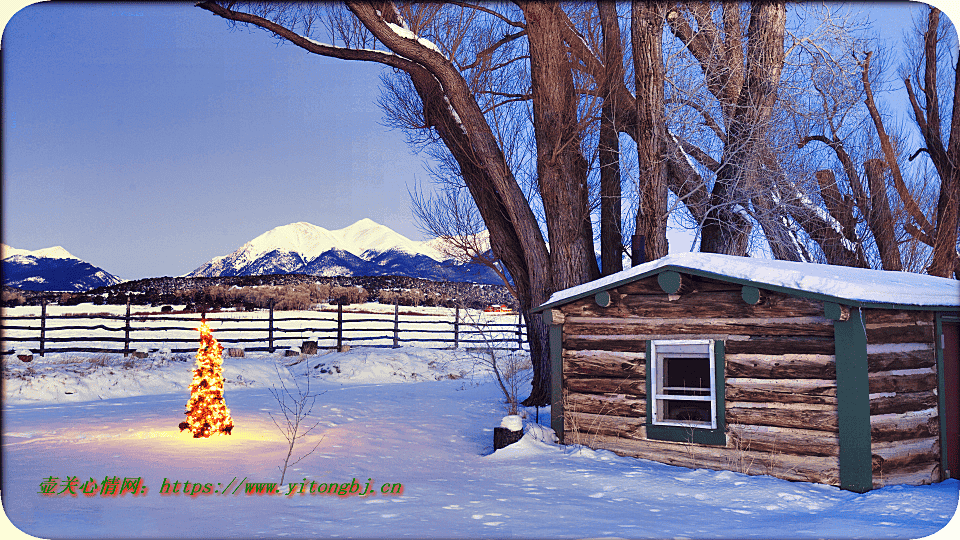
{"x":898,"y":211}
{"x":296,"y":409}
{"x":453,"y":218}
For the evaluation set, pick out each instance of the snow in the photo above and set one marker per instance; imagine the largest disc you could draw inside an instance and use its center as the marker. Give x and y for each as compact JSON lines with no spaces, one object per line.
{"x":409,"y":34}
{"x":856,"y":284}
{"x":422,"y":418}
{"x":310,"y":241}
{"x":513,"y":422}
{"x":56,"y":252}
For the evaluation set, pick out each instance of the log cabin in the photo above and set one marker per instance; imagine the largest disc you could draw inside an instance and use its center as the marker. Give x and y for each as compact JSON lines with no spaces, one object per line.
{"x":806,"y":372}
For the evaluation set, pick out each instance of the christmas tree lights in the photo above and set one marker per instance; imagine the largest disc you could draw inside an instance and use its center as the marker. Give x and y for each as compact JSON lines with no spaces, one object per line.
{"x":207,"y":412}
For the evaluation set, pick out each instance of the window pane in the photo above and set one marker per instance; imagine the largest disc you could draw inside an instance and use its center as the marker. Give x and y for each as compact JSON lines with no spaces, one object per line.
{"x":686,"y":411}
{"x":686,"y":376}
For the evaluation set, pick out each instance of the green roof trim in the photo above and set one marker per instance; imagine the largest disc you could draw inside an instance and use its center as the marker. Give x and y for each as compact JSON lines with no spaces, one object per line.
{"x":677,"y":269}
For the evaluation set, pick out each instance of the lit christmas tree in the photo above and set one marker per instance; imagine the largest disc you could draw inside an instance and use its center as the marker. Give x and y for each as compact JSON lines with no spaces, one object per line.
{"x":207,"y":412}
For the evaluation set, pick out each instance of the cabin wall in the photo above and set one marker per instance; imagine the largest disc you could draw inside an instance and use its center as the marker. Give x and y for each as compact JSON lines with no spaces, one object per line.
{"x":780,"y":394}
{"x":904,"y":419}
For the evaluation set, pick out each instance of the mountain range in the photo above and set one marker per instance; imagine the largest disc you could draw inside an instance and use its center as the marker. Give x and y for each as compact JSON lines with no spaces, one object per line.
{"x":365,"y":248}
{"x":51,"y":269}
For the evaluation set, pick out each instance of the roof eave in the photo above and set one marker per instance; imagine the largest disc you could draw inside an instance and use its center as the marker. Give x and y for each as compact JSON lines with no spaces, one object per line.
{"x":742,"y":281}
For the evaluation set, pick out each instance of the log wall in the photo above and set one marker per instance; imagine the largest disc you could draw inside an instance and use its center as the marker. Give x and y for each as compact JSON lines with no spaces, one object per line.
{"x":904,"y":418}
{"x":781,"y":390}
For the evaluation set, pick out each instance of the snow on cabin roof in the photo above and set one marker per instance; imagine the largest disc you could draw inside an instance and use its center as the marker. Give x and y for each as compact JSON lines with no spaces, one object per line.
{"x":859,"y":286}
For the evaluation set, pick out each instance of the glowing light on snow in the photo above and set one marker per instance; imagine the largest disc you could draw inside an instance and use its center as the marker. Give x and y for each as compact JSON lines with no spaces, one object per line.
{"x":207,"y":412}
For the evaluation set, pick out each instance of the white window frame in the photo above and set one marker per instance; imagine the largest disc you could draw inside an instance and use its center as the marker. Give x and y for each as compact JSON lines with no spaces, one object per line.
{"x":694,"y":349}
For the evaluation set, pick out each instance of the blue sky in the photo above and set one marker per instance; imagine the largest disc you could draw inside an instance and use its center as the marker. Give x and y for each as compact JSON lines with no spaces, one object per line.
{"x":149,"y":138}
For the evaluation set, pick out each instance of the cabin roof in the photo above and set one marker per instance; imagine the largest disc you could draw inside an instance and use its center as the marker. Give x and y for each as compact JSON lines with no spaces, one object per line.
{"x":841,"y":284}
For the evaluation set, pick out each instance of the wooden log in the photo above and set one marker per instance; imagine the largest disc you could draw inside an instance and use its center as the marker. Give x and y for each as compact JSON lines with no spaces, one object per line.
{"x":615,"y":404}
{"x":909,"y":380}
{"x":804,"y":442}
{"x":914,"y":475}
{"x":784,"y":366}
{"x":503,"y":437}
{"x":604,"y":364}
{"x":821,"y":469}
{"x":788,"y":415}
{"x":910,"y":333}
{"x":904,"y":426}
{"x":814,"y":391}
{"x":901,"y":402}
{"x":607,"y":343}
{"x":900,"y":454}
{"x":235,"y":352}
{"x":646,"y":286}
{"x":579,"y":427}
{"x":896,"y":316}
{"x":651,"y":286}
{"x":781,"y":345}
{"x":755,"y":326}
{"x":888,"y":361}
{"x":606,"y":385}
{"x":713,"y":304}
{"x":735,"y":344}
{"x":553,"y":316}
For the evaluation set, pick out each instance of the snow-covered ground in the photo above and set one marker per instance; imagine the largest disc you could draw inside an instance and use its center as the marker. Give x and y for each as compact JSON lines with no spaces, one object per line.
{"x":416,"y":417}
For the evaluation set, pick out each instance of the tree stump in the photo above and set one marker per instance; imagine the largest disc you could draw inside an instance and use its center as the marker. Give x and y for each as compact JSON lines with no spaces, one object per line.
{"x":235,"y":352}
{"x":503,"y":437}
{"x":25,"y":357}
{"x":291,"y":352}
{"x":309,"y":347}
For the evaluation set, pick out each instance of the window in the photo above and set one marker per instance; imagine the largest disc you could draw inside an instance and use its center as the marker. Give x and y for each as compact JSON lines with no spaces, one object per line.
{"x":683,"y":377}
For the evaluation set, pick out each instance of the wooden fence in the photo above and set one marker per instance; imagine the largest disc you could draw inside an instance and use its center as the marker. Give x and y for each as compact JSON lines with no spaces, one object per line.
{"x":262,"y":331}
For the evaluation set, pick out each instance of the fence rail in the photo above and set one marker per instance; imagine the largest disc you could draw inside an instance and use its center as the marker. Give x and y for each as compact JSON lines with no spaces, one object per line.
{"x":265,"y":331}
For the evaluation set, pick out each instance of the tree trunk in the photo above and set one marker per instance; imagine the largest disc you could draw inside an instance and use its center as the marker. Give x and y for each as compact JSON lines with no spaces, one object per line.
{"x":726,"y":229}
{"x":561,"y":167}
{"x":611,"y":232}
{"x":647,"y":35}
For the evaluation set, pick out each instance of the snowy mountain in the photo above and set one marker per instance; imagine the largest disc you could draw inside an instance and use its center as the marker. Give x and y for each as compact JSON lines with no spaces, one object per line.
{"x":365,"y":248}
{"x":51,"y":269}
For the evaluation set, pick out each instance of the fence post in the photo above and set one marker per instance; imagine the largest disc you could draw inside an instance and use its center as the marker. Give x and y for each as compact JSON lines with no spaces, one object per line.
{"x":396,"y":325}
{"x":339,"y":326}
{"x":456,"y":328}
{"x":43,"y":323}
{"x":270,"y":329}
{"x":126,"y":330}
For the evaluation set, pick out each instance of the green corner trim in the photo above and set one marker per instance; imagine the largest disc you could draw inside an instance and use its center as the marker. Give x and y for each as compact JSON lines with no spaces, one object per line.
{"x":941,"y":392}
{"x":556,"y":379}
{"x":716,"y":437}
{"x":853,"y":403}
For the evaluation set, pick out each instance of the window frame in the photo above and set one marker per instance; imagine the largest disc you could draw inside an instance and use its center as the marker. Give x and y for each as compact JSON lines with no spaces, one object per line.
{"x":679,"y":430}
{"x":660,"y":393}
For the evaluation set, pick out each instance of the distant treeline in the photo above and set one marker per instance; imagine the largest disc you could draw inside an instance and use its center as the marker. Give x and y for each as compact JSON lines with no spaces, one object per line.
{"x":282,"y":291}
